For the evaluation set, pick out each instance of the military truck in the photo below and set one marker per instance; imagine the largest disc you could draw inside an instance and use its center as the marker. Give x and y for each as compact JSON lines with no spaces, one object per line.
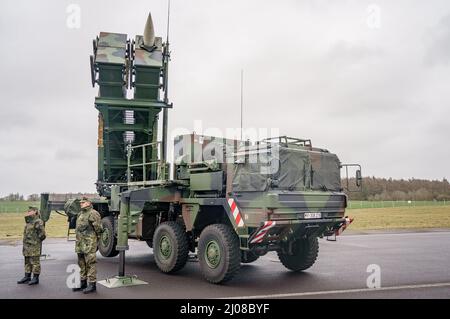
{"x":228,"y":201}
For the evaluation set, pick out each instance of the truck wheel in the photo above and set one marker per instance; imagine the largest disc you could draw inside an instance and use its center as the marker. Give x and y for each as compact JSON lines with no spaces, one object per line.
{"x":108,"y":240}
{"x":170,"y":247}
{"x":304,"y":255}
{"x":248,"y":257}
{"x":219,"y":253}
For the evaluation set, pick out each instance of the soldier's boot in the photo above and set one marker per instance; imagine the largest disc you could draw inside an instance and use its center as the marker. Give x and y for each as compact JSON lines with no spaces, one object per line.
{"x":35,"y":280}
{"x":25,"y":279}
{"x":82,"y":286}
{"x":90,"y":288}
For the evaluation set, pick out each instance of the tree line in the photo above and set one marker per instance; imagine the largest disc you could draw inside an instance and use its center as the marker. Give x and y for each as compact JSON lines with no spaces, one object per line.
{"x":373,"y":189}
{"x":14,"y":197}
{"x":377,"y":189}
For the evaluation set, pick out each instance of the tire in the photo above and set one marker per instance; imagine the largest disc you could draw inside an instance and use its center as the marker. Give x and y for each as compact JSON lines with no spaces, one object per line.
{"x":248,"y":257}
{"x":108,"y":240}
{"x":305,"y":252}
{"x":170,"y":247}
{"x":219,"y":253}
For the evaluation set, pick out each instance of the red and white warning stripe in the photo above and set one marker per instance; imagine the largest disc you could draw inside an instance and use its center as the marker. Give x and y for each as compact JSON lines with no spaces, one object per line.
{"x":348,"y":221}
{"x":263,"y":232}
{"x":236,"y":213}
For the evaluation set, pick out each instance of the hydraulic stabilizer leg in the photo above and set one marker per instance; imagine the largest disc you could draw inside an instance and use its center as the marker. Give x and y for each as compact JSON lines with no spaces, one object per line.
{"x":122,"y":280}
{"x":122,"y":263}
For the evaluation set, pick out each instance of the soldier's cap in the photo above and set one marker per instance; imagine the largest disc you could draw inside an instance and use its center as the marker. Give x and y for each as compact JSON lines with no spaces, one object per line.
{"x":32,"y":208}
{"x":84,"y":200}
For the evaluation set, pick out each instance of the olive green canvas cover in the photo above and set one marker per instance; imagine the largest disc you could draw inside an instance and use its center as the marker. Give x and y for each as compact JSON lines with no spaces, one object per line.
{"x":287,"y":169}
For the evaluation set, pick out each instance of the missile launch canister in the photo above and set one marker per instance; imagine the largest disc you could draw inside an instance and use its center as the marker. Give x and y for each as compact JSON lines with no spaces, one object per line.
{"x":120,"y":65}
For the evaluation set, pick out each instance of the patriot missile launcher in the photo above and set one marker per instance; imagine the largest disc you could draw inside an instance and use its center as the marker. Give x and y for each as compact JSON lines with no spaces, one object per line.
{"x":226,"y":200}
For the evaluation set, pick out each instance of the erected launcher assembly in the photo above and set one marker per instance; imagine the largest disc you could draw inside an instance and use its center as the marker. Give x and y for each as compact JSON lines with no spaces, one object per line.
{"x":119,"y":64}
{"x":226,"y":200}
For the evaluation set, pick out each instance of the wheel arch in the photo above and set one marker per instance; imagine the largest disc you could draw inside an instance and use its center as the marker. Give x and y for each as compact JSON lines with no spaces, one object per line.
{"x":209,"y":215}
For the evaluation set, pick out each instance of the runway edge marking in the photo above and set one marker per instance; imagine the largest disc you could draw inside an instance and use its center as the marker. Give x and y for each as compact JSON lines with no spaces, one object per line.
{"x":331,"y":292}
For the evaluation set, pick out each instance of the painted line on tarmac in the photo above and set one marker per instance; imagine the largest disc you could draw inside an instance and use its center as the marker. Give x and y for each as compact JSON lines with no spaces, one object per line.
{"x":404,"y":233}
{"x":332,"y":292}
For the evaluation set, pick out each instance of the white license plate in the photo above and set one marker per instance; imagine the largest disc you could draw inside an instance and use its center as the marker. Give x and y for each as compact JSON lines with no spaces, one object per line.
{"x":312,"y":215}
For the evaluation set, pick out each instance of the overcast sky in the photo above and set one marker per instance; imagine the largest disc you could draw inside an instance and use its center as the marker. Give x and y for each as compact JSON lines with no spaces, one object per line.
{"x":368,"y":80}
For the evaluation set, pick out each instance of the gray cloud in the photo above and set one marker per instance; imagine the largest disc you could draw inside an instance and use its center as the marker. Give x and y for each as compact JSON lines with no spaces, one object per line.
{"x":14,"y":119}
{"x":70,"y":154}
{"x":438,"y":41}
{"x":347,"y":53}
{"x":312,"y":69}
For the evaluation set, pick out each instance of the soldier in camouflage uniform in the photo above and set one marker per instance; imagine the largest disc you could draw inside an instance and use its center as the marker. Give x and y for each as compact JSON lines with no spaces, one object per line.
{"x":33,"y":235}
{"x":88,"y":231}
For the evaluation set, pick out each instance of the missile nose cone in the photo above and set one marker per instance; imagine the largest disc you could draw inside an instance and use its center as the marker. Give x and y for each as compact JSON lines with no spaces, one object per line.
{"x":149,"y":32}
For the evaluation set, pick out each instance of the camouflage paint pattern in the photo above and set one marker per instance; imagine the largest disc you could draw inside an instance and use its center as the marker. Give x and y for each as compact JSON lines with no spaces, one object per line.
{"x":134,"y":202}
{"x":114,"y":40}
{"x":120,"y":64}
{"x":143,"y":57}
{"x":111,"y":48}
{"x":287,"y":210}
{"x":212,"y":175}
{"x":88,"y":266}
{"x":292,"y":195}
{"x":88,"y":231}
{"x":33,"y":265}
{"x":33,"y":235}
{"x":198,"y":166}
{"x":110,"y":55}
{"x":193,"y":148}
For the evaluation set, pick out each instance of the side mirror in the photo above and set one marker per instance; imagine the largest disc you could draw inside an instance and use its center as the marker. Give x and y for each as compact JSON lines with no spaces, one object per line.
{"x":358,"y":178}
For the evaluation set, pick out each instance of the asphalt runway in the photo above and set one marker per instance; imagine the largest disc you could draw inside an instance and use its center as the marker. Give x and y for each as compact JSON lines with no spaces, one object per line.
{"x":412,"y":265}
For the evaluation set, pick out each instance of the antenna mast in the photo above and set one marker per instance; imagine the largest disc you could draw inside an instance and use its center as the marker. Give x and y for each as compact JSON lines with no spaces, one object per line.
{"x":168,"y":22}
{"x":166,"y":88}
{"x":242,"y":99}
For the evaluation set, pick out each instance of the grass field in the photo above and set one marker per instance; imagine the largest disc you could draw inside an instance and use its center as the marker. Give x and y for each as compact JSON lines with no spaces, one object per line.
{"x":16,"y":207}
{"x":435,"y":216}
{"x":12,"y":224}
{"x":355,"y":204}
{"x":400,"y":218}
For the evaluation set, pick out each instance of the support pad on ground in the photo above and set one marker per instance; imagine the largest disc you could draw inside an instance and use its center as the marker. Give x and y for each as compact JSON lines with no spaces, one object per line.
{"x":122,"y":281}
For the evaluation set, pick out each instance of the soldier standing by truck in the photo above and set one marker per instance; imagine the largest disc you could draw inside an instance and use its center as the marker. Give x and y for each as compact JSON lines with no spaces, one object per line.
{"x":88,"y":231}
{"x":33,"y":235}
